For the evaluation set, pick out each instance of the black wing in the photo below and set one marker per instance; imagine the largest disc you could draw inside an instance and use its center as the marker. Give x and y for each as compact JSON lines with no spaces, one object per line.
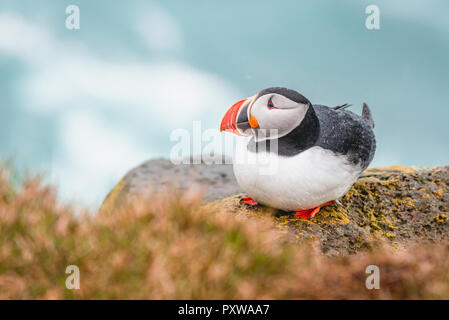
{"x":346,"y":133}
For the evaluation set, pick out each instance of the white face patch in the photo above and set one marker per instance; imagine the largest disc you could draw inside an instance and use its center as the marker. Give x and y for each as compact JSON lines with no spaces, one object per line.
{"x":277,"y":115}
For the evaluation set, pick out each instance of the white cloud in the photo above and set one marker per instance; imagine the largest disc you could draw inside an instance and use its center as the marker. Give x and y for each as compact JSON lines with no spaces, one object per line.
{"x":172,"y":93}
{"x":27,"y":41}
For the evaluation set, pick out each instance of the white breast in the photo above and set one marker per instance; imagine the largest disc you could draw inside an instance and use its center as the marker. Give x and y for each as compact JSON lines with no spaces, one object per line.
{"x":304,"y":181}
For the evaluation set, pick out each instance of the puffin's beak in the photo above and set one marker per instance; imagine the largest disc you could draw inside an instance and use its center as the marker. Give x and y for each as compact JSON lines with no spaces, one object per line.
{"x":236,"y":118}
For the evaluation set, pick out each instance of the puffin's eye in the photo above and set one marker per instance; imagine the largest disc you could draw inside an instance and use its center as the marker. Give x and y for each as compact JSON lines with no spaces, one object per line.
{"x":270,"y":104}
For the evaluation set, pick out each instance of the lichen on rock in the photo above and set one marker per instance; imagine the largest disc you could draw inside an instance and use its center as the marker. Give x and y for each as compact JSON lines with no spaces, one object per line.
{"x":395,"y":204}
{"x":398,"y":205}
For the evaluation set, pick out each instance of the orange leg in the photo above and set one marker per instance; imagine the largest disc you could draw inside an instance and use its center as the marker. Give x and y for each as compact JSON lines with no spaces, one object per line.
{"x":250,"y":201}
{"x":310,"y":213}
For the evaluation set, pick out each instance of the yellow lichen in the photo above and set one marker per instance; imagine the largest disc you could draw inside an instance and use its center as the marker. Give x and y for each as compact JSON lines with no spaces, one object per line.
{"x":440,"y":218}
{"x":390,"y":170}
{"x":113,"y":198}
{"x":390,"y":235}
{"x":439,"y":193}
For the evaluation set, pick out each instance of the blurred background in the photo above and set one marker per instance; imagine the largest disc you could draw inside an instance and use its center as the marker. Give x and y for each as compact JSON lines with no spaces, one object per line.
{"x":85,"y":106}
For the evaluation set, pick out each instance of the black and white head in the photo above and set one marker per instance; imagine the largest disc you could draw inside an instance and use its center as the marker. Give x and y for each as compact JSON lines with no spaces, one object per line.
{"x":272,"y":113}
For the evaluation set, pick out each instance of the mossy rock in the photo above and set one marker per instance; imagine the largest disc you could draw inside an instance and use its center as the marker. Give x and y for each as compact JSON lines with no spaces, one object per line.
{"x":400,"y":205}
{"x":214,"y":181}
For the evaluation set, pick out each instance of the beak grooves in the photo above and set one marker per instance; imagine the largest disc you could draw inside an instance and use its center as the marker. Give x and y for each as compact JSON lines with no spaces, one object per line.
{"x":229,"y":122}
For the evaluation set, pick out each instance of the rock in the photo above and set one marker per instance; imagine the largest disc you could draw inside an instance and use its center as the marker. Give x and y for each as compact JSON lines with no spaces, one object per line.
{"x":215,"y":181}
{"x":400,"y":205}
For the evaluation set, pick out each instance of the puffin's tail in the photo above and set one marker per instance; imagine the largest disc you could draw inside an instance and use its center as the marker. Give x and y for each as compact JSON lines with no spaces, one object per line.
{"x":366,"y":115}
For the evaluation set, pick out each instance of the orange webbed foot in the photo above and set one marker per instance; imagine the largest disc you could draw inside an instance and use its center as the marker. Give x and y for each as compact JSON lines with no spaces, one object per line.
{"x":250,"y":201}
{"x":310,"y":213}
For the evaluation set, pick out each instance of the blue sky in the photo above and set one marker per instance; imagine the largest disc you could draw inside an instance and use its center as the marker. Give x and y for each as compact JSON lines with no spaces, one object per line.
{"x":86,"y":105}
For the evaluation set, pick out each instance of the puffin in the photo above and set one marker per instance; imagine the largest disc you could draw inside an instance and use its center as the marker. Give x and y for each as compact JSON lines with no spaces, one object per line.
{"x":296,"y":156}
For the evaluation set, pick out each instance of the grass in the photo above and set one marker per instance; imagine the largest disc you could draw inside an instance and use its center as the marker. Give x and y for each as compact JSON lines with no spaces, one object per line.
{"x":172,"y":247}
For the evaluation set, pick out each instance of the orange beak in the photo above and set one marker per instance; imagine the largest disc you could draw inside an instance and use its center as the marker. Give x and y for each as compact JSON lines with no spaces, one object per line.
{"x":236,"y":118}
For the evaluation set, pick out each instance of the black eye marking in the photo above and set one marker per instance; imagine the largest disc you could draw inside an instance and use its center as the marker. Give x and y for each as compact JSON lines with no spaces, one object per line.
{"x":270,"y":104}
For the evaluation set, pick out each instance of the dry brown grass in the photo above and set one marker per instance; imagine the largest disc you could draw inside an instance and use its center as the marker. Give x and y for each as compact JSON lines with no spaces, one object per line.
{"x":172,"y":248}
